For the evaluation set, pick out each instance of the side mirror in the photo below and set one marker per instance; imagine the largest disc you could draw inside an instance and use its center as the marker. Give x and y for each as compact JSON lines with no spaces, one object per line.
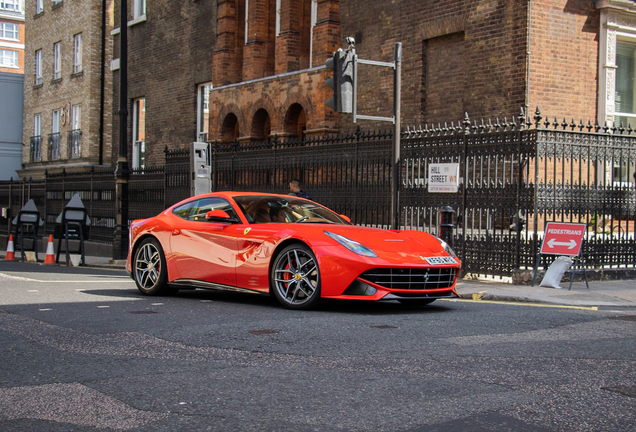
{"x":218,"y":216}
{"x":345,"y":218}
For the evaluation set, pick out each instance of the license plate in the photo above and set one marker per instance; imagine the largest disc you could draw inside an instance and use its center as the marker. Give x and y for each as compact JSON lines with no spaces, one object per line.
{"x":441,"y":260}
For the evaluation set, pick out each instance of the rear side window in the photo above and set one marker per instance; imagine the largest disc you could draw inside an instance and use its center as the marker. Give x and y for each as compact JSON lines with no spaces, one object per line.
{"x":196,"y":210}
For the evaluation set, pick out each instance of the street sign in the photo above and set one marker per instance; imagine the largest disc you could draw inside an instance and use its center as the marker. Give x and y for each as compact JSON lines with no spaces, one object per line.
{"x":443,"y":177}
{"x":563,"y":238}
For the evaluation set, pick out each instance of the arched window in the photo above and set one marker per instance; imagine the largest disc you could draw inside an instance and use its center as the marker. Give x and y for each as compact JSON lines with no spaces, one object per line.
{"x":260,"y":125}
{"x":229,"y":128}
{"x":296,"y":121}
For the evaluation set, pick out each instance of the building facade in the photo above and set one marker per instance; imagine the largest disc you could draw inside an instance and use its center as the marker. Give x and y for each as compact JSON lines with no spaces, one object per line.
{"x":169,"y":76}
{"x":67,"y":90}
{"x":489,"y":59}
{"x":12,"y":36}
{"x":11,"y":83}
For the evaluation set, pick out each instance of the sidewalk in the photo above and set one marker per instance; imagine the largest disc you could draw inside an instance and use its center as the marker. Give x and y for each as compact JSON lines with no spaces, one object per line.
{"x":613,"y":293}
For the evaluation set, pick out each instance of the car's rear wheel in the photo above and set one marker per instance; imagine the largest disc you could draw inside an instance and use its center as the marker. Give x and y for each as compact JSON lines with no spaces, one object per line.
{"x":416,"y":302}
{"x":295,"y":277}
{"x":149,"y":267}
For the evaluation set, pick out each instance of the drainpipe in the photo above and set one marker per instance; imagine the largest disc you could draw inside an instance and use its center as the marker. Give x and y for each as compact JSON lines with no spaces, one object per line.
{"x":102,"y":85}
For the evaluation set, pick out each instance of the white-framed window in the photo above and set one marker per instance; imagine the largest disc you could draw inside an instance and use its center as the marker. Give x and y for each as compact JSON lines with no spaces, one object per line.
{"x":75,"y":116}
{"x":38,"y":67}
{"x":203,"y":111}
{"x":54,"y":138}
{"x":39,"y":6}
{"x":314,"y":18}
{"x":75,"y":134}
{"x":278,"y":6}
{"x":10,"y":5}
{"x":247,"y":16}
{"x":139,"y":8}
{"x":36,"y":139}
{"x":617,"y":66}
{"x":139,"y":134}
{"x":8,"y":58}
{"x":77,"y":53}
{"x":9,"y":31}
{"x":37,"y":124}
{"x":57,"y":60}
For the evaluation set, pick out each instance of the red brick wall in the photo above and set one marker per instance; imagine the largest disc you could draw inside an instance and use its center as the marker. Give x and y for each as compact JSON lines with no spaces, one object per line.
{"x":564,"y":58}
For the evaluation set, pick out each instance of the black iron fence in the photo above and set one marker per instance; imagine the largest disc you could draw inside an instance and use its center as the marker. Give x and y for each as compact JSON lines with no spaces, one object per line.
{"x":513,"y":177}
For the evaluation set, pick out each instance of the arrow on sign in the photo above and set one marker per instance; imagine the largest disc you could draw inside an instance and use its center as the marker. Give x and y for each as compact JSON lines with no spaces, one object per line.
{"x":571,"y":244}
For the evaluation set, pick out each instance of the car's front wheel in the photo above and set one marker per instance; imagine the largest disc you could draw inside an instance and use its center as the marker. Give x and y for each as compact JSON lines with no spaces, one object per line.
{"x":149,"y":267}
{"x":295,"y":277}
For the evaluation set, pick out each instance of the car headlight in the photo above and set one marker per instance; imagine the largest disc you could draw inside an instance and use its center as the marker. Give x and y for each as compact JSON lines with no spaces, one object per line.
{"x":352,"y":245}
{"x":449,"y":250}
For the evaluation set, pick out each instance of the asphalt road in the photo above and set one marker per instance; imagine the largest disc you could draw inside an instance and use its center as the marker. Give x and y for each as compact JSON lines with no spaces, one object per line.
{"x":82,"y":350}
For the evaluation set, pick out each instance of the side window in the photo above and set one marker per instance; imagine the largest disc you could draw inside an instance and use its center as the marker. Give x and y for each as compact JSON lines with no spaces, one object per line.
{"x":184,"y":210}
{"x":207,"y":204}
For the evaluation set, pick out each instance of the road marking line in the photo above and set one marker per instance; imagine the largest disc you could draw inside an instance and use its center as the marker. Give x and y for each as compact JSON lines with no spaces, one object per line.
{"x":103,"y":306}
{"x":33,"y":290}
{"x":593,"y":308}
{"x":8,"y":276}
{"x":45,"y":310}
{"x":156,"y":304}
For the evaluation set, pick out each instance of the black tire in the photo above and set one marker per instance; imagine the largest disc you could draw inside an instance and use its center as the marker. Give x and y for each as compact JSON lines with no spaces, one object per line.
{"x":416,"y":302}
{"x":149,"y":269}
{"x":295,"y":277}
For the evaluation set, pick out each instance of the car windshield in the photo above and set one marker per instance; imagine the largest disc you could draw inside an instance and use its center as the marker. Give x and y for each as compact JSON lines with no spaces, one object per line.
{"x":264,"y":209}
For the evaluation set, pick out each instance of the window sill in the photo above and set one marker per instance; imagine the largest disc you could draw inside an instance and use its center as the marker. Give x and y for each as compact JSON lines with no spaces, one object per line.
{"x":77,"y":74}
{"x":38,"y":86}
{"x":57,"y":5}
{"x":38,"y":15}
{"x":139,"y":19}
{"x":56,"y":80}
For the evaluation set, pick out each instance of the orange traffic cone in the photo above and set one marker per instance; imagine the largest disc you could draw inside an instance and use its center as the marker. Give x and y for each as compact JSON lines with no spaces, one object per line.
{"x":10,"y":256}
{"x":50,"y":252}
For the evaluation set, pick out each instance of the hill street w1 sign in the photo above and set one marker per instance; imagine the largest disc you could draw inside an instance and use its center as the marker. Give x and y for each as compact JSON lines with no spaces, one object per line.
{"x":443,"y":177}
{"x":563,"y":238}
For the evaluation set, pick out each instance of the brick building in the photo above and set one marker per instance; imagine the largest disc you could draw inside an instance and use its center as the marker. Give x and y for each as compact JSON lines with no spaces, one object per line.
{"x":169,"y":74}
{"x":572,"y":59}
{"x":67,"y":103}
{"x":12,"y":36}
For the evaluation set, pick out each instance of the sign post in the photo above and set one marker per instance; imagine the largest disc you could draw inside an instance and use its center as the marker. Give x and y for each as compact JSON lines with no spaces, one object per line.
{"x":561,"y":238}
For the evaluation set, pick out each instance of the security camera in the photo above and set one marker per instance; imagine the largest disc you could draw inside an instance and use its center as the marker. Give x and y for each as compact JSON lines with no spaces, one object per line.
{"x":350,"y":40}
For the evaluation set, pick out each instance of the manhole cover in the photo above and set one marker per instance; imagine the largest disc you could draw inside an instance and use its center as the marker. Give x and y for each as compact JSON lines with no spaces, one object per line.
{"x":142,"y":312}
{"x":262,"y":332}
{"x":624,"y":318}
{"x":383,"y":326}
{"x":624,"y":390}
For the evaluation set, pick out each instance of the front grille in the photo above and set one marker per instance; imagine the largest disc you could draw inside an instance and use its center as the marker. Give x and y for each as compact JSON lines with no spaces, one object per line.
{"x":411,"y":278}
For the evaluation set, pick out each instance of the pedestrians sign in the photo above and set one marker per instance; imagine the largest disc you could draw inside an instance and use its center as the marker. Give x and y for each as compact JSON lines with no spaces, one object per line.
{"x":563,"y":238}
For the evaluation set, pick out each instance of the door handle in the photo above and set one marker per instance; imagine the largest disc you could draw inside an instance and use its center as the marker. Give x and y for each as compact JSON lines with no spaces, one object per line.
{"x":176,"y":231}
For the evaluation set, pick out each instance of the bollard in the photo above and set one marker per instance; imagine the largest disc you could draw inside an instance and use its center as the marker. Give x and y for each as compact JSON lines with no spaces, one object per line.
{"x":445,"y":224}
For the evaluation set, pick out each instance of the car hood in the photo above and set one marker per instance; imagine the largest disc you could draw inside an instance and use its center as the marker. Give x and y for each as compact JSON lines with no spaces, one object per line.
{"x":389,"y":243}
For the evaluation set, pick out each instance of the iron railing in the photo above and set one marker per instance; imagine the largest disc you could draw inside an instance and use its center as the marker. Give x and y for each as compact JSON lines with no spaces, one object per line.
{"x":515,"y":176}
{"x":35,"y":149}
{"x":54,"y":146}
{"x":74,"y":143}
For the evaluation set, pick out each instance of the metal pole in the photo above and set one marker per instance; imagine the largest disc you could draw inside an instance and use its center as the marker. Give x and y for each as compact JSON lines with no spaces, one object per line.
{"x":397,"y":100}
{"x":122,"y":172}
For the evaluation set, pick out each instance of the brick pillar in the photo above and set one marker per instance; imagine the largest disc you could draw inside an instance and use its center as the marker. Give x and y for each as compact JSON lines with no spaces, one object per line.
{"x":227,"y":58}
{"x":292,"y":43}
{"x":327,"y":36}
{"x":259,"y":50}
{"x":326,"y":40}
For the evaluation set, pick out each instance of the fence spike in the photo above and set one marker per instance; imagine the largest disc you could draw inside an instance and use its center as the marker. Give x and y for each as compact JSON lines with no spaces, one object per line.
{"x":629,"y":129}
{"x":606,"y":127}
{"x":572,"y":124}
